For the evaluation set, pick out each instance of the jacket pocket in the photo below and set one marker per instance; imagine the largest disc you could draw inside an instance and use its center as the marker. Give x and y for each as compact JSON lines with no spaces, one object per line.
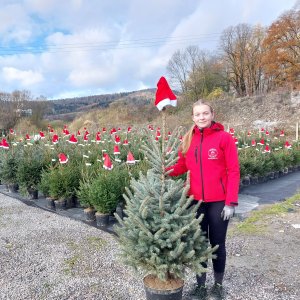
{"x":222,"y":185}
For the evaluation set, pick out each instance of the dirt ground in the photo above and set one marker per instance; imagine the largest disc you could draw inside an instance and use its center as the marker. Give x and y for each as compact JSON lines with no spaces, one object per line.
{"x":265,"y":265}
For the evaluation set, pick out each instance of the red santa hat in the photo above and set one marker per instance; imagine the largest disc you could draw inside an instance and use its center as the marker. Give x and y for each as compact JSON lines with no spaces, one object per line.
{"x":66,"y":132}
{"x":42,"y":135}
{"x":78,"y":133}
{"x":11,"y":131}
{"x":253,"y":143}
{"x":117,"y":139}
{"x":55,"y":139}
{"x":107,"y":165}
{"x":4,"y":144}
{"x":164,"y":95}
{"x":63,"y":159}
{"x":73,"y":139}
{"x":116,"y":149}
{"x":262,"y":142}
{"x":129,"y":129}
{"x":85,"y":138}
{"x":281,"y":133}
{"x":98,"y":138}
{"x":130,"y":158}
{"x":287,"y":145}
{"x":236,"y":140}
{"x":231,"y":131}
{"x":267,"y":149}
{"x":125,"y":143}
{"x":267,"y":132}
{"x":27,"y":137}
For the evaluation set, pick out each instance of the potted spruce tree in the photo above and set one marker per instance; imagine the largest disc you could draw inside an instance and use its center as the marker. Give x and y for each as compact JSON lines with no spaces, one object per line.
{"x":31,"y":164}
{"x":161,"y":235}
{"x":106,"y":191}
{"x":9,"y":167}
{"x":83,"y":193}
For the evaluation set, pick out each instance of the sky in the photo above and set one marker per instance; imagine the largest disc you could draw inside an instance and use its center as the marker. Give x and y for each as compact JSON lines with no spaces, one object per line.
{"x":72,"y":48}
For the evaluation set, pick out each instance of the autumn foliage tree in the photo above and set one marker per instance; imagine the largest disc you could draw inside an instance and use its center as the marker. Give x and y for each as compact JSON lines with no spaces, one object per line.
{"x":281,"y":60}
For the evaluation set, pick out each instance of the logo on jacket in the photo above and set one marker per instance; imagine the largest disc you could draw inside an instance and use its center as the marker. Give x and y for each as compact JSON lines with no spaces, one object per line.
{"x":212,"y":153}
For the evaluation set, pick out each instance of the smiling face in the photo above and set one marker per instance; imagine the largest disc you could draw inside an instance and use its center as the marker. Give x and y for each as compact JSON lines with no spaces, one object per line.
{"x":202,"y":115}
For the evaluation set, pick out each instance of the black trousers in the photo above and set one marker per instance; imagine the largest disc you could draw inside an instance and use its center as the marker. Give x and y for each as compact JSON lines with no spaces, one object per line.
{"x":215,"y":229}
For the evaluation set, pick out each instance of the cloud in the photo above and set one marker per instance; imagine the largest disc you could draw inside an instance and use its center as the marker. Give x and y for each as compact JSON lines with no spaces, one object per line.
{"x":26,"y":78}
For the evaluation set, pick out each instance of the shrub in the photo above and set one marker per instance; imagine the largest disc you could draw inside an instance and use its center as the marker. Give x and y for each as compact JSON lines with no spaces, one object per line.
{"x":9,"y":167}
{"x":107,"y":189}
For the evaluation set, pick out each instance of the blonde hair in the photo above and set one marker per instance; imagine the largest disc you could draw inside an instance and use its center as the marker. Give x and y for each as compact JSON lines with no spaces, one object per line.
{"x":187,"y":138}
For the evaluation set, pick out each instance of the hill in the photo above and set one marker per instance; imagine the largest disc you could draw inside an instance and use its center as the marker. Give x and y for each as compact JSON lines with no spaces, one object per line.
{"x":280,"y":109}
{"x":71,"y":108}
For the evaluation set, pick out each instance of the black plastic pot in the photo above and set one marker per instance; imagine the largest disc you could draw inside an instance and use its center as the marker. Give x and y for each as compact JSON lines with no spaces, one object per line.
{"x":13,"y":188}
{"x":50,"y":203}
{"x":60,"y":204}
{"x":89,"y":214}
{"x":153,"y":294}
{"x":102,"y":220}
{"x":33,"y":194}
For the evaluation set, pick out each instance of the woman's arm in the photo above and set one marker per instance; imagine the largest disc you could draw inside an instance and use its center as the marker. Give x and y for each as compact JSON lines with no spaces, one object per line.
{"x":233,"y":172}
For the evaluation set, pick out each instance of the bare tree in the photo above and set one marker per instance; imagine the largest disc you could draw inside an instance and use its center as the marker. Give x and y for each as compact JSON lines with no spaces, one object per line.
{"x":234,"y":43}
{"x":12,"y":106}
{"x":178,"y":70}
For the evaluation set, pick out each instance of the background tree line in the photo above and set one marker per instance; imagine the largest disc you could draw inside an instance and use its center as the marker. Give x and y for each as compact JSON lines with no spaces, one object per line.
{"x":252,"y":60}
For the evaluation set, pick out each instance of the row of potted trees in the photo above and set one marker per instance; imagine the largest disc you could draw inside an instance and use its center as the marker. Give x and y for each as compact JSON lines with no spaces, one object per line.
{"x":34,"y":166}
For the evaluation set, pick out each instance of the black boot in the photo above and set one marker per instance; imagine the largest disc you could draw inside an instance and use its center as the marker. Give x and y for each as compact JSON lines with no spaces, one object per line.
{"x":217,"y":290}
{"x":200,"y":291}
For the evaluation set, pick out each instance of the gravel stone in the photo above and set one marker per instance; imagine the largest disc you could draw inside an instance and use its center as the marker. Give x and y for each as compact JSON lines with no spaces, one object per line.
{"x":44,"y":255}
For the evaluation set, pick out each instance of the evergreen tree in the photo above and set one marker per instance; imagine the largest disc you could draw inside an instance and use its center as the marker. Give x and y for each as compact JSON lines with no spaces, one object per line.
{"x":160,"y":234}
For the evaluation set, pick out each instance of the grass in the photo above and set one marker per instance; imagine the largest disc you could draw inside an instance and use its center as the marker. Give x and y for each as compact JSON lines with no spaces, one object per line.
{"x":71,"y":263}
{"x":257,"y":221}
{"x":76,"y":260}
{"x":96,"y":242}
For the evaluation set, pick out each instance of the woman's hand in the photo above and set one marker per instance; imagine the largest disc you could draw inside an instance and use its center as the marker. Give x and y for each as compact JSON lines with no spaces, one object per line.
{"x":227,"y":212}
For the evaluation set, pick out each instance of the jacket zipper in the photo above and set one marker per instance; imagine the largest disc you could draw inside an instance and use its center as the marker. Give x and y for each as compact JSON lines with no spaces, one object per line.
{"x":196,"y":155}
{"x":201,"y":172}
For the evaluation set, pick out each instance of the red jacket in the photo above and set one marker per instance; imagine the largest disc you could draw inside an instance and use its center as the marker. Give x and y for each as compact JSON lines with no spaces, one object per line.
{"x":212,"y":160}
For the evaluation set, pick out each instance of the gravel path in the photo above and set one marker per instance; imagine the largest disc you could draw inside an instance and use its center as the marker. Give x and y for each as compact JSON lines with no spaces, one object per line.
{"x":47,"y":256}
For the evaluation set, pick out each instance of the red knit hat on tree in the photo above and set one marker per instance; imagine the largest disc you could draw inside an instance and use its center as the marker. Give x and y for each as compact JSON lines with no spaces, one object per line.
{"x":116,"y":149}
{"x":73,"y":139}
{"x":107,"y":162}
{"x":63,"y":159}
{"x":4,"y":144}
{"x":130,"y":158}
{"x":55,"y":139}
{"x":164,"y":95}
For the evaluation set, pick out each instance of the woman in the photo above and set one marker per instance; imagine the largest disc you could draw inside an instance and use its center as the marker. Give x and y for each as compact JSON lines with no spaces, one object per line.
{"x":210,"y":154}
